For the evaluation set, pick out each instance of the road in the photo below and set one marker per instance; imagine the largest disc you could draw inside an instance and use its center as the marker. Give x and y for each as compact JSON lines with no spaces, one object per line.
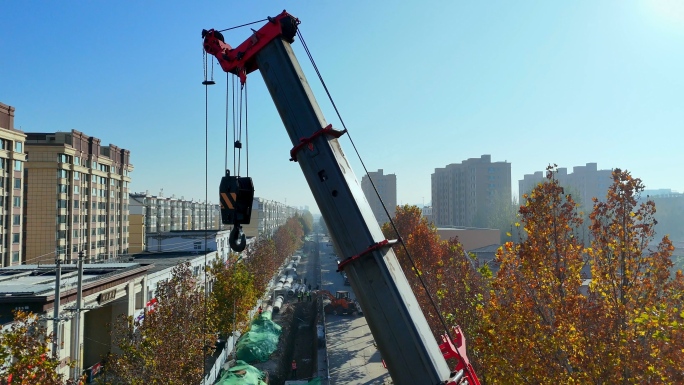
{"x":352,"y":355}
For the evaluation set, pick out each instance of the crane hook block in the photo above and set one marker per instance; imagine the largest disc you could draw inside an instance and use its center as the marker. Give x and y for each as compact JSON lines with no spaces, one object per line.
{"x":237,"y":239}
{"x":236,"y":196}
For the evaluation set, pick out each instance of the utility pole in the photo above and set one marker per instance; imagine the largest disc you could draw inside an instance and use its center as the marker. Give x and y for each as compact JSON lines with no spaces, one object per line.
{"x":76,"y":323}
{"x":55,"y":313}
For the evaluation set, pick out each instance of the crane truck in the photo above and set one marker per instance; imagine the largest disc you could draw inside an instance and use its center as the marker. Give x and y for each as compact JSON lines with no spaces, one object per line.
{"x":394,"y":317}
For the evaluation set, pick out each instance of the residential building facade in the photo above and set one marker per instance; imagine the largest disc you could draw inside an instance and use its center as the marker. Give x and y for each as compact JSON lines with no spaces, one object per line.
{"x":267,"y":216}
{"x":76,"y":194}
{"x":386,"y":186}
{"x":584,"y":182}
{"x":12,"y":204}
{"x":463,"y":191}
{"x":159,"y":214}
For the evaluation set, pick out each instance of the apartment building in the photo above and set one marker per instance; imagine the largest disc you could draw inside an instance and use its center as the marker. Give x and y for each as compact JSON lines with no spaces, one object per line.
{"x":463,"y":191}
{"x":12,"y":158}
{"x":584,"y":182}
{"x":76,"y":194}
{"x":386,"y":186}
{"x":267,"y":216}
{"x":159,"y":214}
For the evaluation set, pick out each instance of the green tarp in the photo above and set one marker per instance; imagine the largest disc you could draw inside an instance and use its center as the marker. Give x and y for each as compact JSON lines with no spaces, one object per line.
{"x":242,"y":374}
{"x":260,"y":341}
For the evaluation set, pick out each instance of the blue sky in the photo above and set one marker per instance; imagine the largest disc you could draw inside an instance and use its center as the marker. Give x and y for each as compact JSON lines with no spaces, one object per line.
{"x":419,"y":84}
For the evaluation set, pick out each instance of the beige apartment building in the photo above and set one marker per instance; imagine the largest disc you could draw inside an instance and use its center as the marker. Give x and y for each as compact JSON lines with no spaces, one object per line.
{"x":387,"y":191}
{"x":461,"y":192}
{"x":12,"y":158}
{"x":76,"y":194}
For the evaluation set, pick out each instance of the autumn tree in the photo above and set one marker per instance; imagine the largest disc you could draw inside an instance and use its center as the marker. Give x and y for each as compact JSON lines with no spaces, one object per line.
{"x":532,"y":319}
{"x":500,"y":213}
{"x":234,"y":294}
{"x":288,"y":238}
{"x":306,"y":220}
{"x":25,"y":353}
{"x":170,"y":344}
{"x":448,"y":274}
{"x":261,"y":260}
{"x":639,"y":303}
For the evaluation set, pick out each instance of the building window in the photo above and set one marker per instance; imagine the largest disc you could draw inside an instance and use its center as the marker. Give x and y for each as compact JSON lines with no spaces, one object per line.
{"x":75,"y":218}
{"x":77,"y":160}
{"x":16,"y":219}
{"x":61,"y":219}
{"x":17,"y":202}
{"x":198,"y":245}
{"x":62,"y":174}
{"x":61,"y":234}
{"x":76,"y":204}
{"x":18,"y":146}
{"x":15,"y":238}
{"x":17,"y":183}
{"x":62,"y":204}
{"x":61,"y":189}
{"x":15,"y":256}
{"x":17,"y":165}
{"x":76,"y":189}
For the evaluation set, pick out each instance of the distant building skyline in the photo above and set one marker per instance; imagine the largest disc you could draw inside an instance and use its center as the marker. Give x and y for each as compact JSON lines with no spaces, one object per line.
{"x":386,"y":185}
{"x":461,"y":192}
{"x":585,"y":181}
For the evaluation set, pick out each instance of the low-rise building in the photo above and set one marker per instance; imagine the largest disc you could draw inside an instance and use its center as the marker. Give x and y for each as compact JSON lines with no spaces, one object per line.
{"x":470,"y":238}
{"x":109,"y":291}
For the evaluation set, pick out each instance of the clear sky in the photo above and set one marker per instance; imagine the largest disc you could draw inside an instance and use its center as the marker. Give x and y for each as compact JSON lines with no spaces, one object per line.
{"x":419,"y":84}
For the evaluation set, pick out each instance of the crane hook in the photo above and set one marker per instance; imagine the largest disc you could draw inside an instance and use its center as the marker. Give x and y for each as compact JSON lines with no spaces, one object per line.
{"x":235,"y":234}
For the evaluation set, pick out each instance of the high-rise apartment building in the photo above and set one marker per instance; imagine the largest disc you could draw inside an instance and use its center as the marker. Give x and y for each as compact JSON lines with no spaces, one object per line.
{"x":12,"y":158}
{"x":584,"y":182}
{"x":462,"y":191}
{"x":387,"y":190}
{"x":76,"y":194}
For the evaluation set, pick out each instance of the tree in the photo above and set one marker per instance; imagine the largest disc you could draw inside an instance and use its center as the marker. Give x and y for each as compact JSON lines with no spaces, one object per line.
{"x":306,"y":220}
{"x":262,"y":262}
{"x":288,"y":238}
{"x":234,"y":294}
{"x":170,"y":344}
{"x":532,"y":319}
{"x":639,"y":303}
{"x":25,"y":354}
{"x":449,"y":276}
{"x":499,"y":214}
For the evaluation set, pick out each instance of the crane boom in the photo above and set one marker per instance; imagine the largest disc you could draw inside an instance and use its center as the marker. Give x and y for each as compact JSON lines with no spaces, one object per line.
{"x":394,"y":317}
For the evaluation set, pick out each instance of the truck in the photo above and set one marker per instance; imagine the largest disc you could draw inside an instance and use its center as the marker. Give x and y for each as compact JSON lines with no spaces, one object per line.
{"x":398,"y":325}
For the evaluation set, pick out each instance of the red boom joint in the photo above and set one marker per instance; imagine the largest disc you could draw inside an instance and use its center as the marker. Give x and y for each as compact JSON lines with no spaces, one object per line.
{"x":241,"y":60}
{"x":307,"y":141}
{"x":371,"y":249}
{"x":457,"y":349}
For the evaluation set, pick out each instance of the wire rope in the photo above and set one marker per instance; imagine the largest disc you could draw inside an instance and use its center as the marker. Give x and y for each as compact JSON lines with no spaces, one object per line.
{"x":242,"y":25}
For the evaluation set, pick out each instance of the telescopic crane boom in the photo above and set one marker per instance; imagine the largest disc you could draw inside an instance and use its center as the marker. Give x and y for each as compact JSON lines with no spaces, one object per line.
{"x":399,"y":327}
